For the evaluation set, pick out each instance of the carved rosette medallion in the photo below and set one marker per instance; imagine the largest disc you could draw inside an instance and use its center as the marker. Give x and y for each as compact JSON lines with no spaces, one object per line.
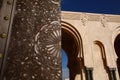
{"x":84,"y":18}
{"x":103,"y":20}
{"x":48,"y":41}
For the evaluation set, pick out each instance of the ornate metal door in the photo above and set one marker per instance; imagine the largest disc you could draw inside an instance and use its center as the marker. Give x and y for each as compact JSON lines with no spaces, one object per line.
{"x":33,"y":33}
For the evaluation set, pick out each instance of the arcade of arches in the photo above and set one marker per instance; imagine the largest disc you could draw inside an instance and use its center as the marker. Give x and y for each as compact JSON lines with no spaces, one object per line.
{"x":92,"y":48}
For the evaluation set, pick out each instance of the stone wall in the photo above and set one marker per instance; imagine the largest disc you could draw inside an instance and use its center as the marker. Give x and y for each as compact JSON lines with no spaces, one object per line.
{"x":98,"y":33}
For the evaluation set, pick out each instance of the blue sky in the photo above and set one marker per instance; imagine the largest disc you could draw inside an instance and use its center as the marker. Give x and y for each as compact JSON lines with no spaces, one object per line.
{"x":64,"y":58}
{"x":65,"y":71}
{"x":92,"y":6}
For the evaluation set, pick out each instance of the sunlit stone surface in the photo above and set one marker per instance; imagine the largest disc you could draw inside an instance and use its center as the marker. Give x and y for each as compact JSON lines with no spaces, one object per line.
{"x":35,"y":47}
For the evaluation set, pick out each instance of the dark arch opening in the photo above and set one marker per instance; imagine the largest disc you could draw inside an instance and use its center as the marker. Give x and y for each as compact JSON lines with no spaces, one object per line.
{"x":71,"y":45}
{"x":117,"y":50}
{"x":1,"y":1}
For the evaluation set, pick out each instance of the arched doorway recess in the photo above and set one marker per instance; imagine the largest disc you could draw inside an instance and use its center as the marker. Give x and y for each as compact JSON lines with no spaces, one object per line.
{"x":72,"y":44}
{"x":117,"y":50}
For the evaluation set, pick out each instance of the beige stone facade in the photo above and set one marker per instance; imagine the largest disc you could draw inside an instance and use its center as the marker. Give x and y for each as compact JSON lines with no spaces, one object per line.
{"x":91,"y":41}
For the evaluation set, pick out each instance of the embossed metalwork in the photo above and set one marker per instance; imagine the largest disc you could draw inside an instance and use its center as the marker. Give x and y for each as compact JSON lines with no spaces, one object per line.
{"x":3,"y":35}
{"x":0,"y":55}
{"x":48,"y":40}
{"x":35,"y":47}
{"x":6,"y":18}
{"x":9,"y":2}
{"x":6,"y":13}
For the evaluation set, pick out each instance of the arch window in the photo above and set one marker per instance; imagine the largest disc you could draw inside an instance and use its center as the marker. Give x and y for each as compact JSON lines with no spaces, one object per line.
{"x":71,"y":44}
{"x":117,"y":50}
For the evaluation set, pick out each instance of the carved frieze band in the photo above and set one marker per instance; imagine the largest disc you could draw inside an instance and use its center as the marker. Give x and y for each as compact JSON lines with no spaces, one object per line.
{"x":90,"y":17}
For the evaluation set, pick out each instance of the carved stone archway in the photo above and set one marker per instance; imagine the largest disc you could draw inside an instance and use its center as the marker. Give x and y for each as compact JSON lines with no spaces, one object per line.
{"x":117,"y":50}
{"x":71,"y":43}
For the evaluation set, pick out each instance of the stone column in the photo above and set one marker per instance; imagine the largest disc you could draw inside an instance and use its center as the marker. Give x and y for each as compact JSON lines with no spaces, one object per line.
{"x":34,"y":51}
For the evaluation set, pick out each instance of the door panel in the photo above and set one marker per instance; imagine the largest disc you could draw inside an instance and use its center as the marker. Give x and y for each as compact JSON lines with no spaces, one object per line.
{"x":34,"y":51}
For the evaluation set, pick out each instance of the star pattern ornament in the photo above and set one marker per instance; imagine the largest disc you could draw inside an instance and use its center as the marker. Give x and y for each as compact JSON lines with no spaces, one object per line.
{"x":48,"y":41}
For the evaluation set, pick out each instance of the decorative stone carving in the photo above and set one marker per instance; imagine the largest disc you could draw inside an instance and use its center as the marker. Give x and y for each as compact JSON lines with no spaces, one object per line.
{"x":84,"y":18}
{"x":56,"y":2}
{"x":48,"y":41}
{"x":91,"y":16}
{"x":103,"y":20}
